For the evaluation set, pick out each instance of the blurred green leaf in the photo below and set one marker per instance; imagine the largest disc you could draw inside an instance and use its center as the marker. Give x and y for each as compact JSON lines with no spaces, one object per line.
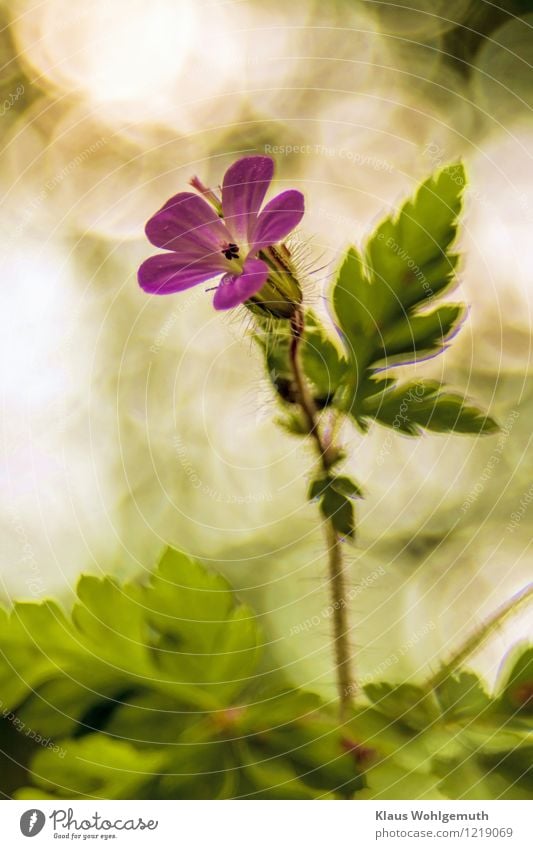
{"x":272,"y":777}
{"x":389,"y":780}
{"x":515,"y":682}
{"x":404,"y":703}
{"x":335,"y":495}
{"x":146,"y":692}
{"x":181,"y":634}
{"x":462,"y":695}
{"x":322,"y":361}
{"x":478,"y":777}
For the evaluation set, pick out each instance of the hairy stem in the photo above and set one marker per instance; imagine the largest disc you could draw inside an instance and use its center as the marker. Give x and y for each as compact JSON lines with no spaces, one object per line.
{"x":480,"y":635}
{"x":328,"y":455}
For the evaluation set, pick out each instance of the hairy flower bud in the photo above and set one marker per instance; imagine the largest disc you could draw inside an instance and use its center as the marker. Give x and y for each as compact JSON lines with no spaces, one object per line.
{"x":281,"y":294}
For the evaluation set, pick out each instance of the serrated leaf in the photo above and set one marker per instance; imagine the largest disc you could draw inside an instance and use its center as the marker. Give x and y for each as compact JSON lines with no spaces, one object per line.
{"x":405,"y":247}
{"x":425,"y":404}
{"x":109,"y":619}
{"x":181,"y":635}
{"x":293,"y":424}
{"x":516,"y":681}
{"x":462,"y":695}
{"x":187,"y":601}
{"x":382,"y":303}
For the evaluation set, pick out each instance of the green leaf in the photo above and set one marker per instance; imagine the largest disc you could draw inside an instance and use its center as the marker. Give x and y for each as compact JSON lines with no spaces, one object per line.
{"x":341,"y":484}
{"x":339,"y":510}
{"x":515,"y":682}
{"x":318,"y":487}
{"x":389,"y":780}
{"x":323,"y":363}
{"x":408,"y":255}
{"x":424,"y":404}
{"x":421,"y":333}
{"x":461,"y":695}
{"x":273,"y":777}
{"x":181,"y":634}
{"x":187,"y":601}
{"x":149,"y":719}
{"x":109,"y":620}
{"x":474,"y":777}
{"x":293,"y":423}
{"x":346,"y":486}
{"x":383,"y":302}
{"x":276,"y":710}
{"x":405,"y":703}
{"x":335,"y":494}
{"x":321,"y":752}
{"x":96,"y":767}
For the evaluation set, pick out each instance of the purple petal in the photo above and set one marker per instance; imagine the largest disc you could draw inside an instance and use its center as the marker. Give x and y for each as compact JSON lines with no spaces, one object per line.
{"x":279,"y":217}
{"x":188,"y":223}
{"x":243,"y":191}
{"x":236,"y":289}
{"x":166,"y":273}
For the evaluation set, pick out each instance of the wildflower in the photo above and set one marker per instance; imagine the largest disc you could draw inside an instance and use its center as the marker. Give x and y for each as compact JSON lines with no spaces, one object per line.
{"x":205,"y":237}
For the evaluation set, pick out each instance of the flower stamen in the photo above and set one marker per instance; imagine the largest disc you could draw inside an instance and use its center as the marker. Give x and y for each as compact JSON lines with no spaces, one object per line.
{"x":231,"y":251}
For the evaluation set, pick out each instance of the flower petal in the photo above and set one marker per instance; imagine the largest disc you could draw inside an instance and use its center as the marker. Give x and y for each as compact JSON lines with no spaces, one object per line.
{"x":166,"y":273}
{"x":188,"y":223}
{"x":243,"y":191}
{"x":281,"y":215}
{"x":236,"y":289}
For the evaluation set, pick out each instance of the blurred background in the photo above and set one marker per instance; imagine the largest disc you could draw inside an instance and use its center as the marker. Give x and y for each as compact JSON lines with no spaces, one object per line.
{"x":130,"y":423}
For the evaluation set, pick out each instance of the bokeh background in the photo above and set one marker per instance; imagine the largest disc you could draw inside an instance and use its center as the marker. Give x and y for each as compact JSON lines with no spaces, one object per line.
{"x":130,"y":423}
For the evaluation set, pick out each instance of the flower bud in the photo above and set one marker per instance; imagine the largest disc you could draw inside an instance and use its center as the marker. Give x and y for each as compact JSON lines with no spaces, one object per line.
{"x":281,"y":295}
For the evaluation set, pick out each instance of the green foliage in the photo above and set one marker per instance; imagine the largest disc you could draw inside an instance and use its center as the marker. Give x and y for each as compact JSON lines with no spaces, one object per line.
{"x":455,"y":743}
{"x":154,"y":690}
{"x":151,"y":690}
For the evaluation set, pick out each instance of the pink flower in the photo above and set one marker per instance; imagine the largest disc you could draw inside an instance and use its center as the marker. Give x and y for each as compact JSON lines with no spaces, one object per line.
{"x":204,"y":240}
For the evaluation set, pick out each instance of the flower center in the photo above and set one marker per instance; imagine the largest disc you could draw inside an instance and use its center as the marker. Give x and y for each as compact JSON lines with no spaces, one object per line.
{"x":231,"y":251}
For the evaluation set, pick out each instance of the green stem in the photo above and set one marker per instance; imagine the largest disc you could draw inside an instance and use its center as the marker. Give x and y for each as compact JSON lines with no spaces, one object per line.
{"x":480,"y":635}
{"x":328,"y":455}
